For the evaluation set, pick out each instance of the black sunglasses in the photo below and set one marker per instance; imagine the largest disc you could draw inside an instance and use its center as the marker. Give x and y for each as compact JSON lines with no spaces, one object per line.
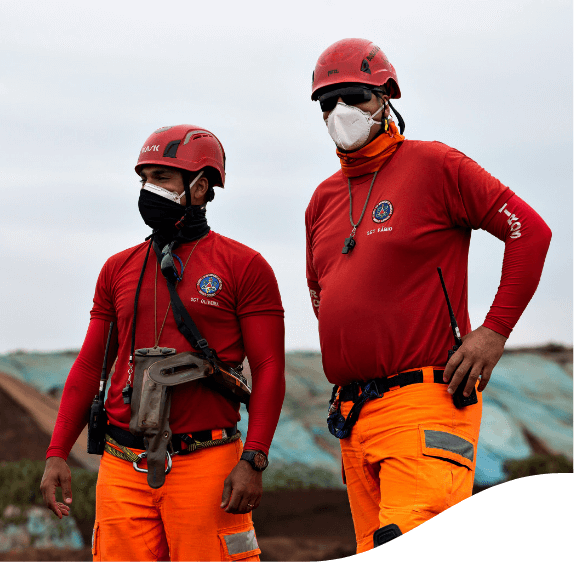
{"x":351,"y":96}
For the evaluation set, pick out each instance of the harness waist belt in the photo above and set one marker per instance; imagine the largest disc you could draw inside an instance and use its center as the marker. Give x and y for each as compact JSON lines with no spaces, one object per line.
{"x":384,"y":384}
{"x":180,"y":441}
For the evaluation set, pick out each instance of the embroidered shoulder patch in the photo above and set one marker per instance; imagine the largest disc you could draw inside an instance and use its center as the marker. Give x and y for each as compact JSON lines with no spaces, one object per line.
{"x":382,"y":211}
{"x":209,"y":285}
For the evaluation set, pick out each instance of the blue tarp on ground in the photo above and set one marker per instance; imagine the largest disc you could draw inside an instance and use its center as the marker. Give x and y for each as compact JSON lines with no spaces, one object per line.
{"x":44,"y":371}
{"x":526,"y":393}
{"x":293,"y":443}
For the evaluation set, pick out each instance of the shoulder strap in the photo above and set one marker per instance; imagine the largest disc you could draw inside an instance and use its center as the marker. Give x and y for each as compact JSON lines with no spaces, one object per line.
{"x":185,"y":323}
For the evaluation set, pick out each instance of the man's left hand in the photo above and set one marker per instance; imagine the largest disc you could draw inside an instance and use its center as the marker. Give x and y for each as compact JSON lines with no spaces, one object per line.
{"x":242,"y":489}
{"x":479,"y":352}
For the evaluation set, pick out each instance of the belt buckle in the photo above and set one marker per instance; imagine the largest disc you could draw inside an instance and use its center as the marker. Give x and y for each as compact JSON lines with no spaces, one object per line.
{"x":185,"y":438}
{"x":371,"y":390}
{"x":143,"y":455}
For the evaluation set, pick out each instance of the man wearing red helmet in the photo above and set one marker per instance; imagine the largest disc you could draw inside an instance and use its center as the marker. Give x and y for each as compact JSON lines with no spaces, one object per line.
{"x":175,"y":482}
{"x":396,"y":211}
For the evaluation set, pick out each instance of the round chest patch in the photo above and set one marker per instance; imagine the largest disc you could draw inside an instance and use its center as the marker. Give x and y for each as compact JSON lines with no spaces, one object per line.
{"x":382,"y":211}
{"x":209,"y":285}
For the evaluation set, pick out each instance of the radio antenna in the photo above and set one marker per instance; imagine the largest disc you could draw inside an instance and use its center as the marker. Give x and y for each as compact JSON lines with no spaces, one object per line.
{"x":453,"y":324}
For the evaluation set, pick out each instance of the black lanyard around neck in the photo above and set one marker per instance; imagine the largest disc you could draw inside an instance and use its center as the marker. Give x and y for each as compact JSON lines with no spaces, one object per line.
{"x":184,"y":322}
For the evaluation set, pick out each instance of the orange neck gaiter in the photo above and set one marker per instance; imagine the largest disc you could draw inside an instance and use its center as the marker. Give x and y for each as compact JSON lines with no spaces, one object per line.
{"x":371,"y":157}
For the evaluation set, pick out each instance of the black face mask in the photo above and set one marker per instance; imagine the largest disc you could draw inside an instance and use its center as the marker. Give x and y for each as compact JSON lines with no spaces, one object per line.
{"x":161,"y":215}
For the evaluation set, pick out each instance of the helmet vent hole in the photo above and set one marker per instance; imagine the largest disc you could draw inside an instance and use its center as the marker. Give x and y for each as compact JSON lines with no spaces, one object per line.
{"x":194,"y":135}
{"x":365,"y":67}
{"x":171,"y":149}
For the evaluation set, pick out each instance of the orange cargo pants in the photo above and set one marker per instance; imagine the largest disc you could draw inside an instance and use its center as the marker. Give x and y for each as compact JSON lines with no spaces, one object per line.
{"x":181,"y":520}
{"x":410,"y":455}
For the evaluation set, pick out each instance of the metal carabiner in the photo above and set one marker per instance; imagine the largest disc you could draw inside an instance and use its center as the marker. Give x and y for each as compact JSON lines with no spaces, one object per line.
{"x":143,"y":455}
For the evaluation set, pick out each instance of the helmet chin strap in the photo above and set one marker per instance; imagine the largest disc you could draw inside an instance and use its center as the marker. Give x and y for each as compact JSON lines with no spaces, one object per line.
{"x":188,"y":206}
{"x":399,"y":118}
{"x":187,"y":189}
{"x":383,"y":120}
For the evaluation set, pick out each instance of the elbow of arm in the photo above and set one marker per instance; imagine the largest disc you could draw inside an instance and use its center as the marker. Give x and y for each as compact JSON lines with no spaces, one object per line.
{"x":547,"y":235}
{"x":543,"y":232}
{"x":543,"y":240}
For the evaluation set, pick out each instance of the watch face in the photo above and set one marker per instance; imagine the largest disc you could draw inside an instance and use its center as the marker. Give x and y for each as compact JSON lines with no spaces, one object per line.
{"x":260,"y":461}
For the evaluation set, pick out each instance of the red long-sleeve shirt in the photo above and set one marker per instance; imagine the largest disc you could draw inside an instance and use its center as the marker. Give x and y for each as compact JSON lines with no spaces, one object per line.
{"x":382,"y":309}
{"x":232,"y":296}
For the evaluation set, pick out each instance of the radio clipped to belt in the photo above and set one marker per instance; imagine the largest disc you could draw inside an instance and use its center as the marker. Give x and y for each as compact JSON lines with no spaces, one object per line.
{"x":98,"y":417}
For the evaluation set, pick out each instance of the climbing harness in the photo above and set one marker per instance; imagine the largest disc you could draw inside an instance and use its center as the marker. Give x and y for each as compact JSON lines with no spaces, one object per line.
{"x":361,"y":392}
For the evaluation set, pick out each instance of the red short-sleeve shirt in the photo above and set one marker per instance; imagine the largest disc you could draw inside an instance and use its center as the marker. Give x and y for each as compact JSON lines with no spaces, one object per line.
{"x":382,"y":309}
{"x":223,"y":282}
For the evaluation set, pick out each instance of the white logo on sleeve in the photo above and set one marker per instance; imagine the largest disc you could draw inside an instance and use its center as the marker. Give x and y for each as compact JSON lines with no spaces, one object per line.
{"x":512,"y":221}
{"x":314,"y":298}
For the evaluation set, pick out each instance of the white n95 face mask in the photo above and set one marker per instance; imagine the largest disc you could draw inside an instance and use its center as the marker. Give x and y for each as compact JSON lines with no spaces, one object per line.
{"x":350,"y":126}
{"x":171,"y":195}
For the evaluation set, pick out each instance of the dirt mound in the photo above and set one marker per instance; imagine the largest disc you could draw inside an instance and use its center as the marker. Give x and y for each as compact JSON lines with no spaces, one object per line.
{"x":21,"y":437}
{"x":42,"y":411}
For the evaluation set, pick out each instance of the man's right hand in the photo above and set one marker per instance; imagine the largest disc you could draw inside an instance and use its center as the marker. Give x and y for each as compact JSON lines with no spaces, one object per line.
{"x":57,"y":473}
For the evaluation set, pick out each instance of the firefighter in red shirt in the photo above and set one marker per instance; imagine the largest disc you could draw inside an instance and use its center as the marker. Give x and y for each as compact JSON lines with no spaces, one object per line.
{"x":376,"y":232}
{"x":175,"y":482}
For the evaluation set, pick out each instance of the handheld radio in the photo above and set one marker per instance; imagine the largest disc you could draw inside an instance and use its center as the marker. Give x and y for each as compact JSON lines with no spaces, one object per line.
{"x":98,"y":416}
{"x":458,"y":398}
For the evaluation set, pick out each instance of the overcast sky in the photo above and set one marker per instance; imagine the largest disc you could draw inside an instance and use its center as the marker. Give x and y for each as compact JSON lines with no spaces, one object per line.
{"x":82,"y":85}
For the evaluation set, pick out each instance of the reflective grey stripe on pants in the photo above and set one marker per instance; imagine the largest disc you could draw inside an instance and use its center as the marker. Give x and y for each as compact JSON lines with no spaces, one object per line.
{"x":241,"y":542}
{"x":449,"y":442}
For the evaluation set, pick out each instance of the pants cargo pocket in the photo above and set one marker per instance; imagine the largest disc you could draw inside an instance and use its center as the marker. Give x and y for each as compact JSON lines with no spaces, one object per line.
{"x":442,"y":442}
{"x":446,"y":470}
{"x":239,"y":543}
{"x":96,"y":541}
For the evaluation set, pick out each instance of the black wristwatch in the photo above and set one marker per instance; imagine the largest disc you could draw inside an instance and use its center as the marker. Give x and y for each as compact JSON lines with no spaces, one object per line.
{"x":256,"y":459}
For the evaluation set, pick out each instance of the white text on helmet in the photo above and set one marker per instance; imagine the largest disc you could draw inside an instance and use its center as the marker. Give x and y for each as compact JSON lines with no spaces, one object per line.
{"x":152,"y":148}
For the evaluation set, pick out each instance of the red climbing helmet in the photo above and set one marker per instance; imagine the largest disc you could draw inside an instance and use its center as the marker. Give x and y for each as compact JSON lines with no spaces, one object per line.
{"x":186,"y":147}
{"x":358,"y":61}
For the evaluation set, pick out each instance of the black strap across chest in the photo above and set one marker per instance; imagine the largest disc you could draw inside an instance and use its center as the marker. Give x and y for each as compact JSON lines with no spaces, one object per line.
{"x":183,"y":320}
